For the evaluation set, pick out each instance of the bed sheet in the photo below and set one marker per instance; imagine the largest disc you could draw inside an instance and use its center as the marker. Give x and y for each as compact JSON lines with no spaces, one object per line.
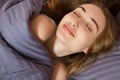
{"x":21,"y":57}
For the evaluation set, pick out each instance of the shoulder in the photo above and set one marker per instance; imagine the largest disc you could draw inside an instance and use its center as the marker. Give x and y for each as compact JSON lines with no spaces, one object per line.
{"x":42,"y":27}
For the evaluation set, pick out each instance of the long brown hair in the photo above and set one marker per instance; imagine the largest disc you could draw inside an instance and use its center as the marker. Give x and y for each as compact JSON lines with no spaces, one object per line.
{"x":56,"y":9}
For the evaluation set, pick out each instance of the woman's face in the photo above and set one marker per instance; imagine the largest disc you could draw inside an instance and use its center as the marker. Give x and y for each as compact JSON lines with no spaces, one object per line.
{"x":79,"y":29}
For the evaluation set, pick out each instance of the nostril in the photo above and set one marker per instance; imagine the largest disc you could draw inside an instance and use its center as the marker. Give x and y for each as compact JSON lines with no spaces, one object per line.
{"x":75,"y":26}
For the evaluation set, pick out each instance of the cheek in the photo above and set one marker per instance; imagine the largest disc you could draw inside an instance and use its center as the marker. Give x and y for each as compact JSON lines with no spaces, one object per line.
{"x":85,"y":39}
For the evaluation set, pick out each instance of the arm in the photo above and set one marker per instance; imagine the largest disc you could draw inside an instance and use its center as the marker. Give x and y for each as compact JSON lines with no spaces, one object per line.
{"x":59,"y":72}
{"x":41,"y":26}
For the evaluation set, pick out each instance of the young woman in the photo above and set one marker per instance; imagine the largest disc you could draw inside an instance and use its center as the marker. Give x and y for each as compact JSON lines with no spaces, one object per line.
{"x":77,"y":39}
{"x":83,"y":34}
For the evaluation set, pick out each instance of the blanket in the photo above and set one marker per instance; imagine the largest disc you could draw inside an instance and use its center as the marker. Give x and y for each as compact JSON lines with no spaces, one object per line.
{"x":22,"y":57}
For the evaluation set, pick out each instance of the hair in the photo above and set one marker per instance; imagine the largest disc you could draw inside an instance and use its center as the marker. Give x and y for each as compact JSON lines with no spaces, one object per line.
{"x":105,"y":42}
{"x":56,"y":9}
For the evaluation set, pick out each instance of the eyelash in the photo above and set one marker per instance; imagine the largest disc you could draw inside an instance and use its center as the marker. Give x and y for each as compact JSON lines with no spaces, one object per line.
{"x":87,"y":27}
{"x":76,"y":14}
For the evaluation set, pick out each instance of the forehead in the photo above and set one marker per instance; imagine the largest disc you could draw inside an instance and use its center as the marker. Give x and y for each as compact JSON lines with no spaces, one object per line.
{"x":96,"y":13}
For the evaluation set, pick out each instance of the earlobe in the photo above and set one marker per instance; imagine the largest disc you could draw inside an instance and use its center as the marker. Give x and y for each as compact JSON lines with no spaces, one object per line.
{"x":86,"y":50}
{"x":89,"y":50}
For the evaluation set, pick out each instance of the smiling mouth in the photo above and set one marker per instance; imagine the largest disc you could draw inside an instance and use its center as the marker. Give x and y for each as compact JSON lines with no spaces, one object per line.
{"x":68,"y":30}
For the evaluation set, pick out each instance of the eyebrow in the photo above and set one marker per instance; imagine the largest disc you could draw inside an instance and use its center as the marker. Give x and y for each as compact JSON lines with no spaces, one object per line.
{"x":84,"y":10}
{"x":95,"y":24}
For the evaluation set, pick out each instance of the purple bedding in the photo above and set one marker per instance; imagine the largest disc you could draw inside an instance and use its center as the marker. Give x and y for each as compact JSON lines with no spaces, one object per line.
{"x":22,"y":57}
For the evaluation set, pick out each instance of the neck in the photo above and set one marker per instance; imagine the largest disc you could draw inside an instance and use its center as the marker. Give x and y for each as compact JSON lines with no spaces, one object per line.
{"x":55,"y":47}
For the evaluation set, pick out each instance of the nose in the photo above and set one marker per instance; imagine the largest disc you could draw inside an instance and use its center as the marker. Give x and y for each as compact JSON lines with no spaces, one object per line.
{"x":74,"y":23}
{"x":77,"y":22}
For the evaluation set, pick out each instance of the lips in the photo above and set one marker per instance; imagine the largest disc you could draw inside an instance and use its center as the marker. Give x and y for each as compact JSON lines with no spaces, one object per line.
{"x":68,"y":30}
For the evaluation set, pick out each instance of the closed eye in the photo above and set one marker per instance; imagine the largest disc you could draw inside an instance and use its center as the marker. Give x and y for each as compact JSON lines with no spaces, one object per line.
{"x":76,"y":14}
{"x":88,"y":28}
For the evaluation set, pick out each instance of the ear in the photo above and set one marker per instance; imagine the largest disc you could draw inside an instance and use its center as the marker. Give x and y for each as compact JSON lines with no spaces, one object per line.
{"x":90,"y":49}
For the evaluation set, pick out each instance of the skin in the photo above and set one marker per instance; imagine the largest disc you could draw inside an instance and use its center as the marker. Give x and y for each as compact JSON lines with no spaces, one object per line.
{"x":75,"y":29}
{"x":59,"y":72}
{"x":42,"y":27}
